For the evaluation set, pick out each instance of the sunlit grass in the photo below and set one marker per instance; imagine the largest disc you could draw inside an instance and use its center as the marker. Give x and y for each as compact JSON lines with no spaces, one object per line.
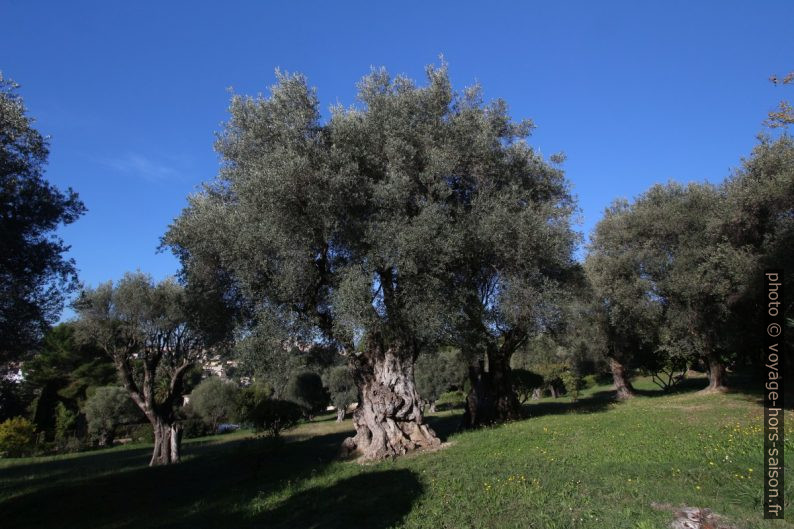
{"x":595,"y":463}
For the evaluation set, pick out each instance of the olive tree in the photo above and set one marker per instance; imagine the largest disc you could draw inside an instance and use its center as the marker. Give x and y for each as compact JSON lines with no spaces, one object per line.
{"x":669,"y":259}
{"x":625,"y":312}
{"x":353,"y":232}
{"x":759,"y":219}
{"x":518,"y":253}
{"x":152,"y":334}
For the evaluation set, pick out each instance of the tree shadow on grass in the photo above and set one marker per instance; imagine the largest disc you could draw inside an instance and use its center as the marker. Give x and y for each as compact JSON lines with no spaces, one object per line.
{"x":595,"y":403}
{"x":206,"y":487}
{"x":444,"y":425}
{"x":600,"y":400}
{"x":687,"y":385}
{"x":375,"y":500}
{"x":68,"y":469}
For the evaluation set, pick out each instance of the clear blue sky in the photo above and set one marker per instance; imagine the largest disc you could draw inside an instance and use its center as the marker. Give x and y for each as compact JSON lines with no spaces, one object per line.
{"x":132,"y":92}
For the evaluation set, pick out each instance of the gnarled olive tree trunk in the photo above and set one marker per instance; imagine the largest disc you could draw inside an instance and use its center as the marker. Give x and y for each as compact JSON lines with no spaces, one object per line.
{"x":340,"y":414}
{"x":389,"y":418}
{"x":491,"y":398}
{"x":622,"y":383}
{"x":167,"y":442}
{"x":717,"y":374}
{"x":162,"y":417}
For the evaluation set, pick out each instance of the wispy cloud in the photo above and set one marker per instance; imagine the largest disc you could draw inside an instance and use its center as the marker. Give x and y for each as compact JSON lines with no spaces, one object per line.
{"x":143,"y":167}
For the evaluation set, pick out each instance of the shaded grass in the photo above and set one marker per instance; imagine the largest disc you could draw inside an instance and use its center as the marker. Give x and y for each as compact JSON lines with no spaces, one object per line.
{"x":592,"y":463}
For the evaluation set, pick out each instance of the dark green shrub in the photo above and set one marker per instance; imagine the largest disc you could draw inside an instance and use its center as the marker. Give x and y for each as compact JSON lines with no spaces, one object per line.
{"x":525,"y":382}
{"x":342,"y":388}
{"x":307,"y":391}
{"x":438,"y":372}
{"x":274,"y":416}
{"x":65,"y":423}
{"x":105,"y":410}
{"x":215,"y":401}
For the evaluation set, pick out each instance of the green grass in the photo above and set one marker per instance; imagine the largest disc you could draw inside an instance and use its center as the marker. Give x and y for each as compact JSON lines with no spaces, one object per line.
{"x":590,"y":464}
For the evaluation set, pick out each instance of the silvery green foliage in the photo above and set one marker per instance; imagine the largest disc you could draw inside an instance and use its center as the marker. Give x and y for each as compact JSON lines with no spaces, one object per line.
{"x":137,"y":321}
{"x":106,"y":409}
{"x":665,"y":274}
{"x":439,"y":372}
{"x":626,"y":308}
{"x":760,"y":219}
{"x":387,"y":219}
{"x":341,"y":386}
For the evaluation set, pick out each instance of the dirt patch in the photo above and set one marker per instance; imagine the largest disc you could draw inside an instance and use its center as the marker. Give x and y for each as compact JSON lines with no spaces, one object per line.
{"x":693,"y":517}
{"x":409,"y":455}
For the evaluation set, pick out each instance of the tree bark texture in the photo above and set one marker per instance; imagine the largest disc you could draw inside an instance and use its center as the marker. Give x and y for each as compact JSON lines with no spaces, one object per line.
{"x":622,"y":384}
{"x":167,"y":431}
{"x":389,"y":419}
{"x":167,"y":442}
{"x":716,"y":373}
{"x":491,"y":399}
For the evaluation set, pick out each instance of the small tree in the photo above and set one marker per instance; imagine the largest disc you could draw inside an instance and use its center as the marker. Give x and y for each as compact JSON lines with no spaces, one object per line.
{"x":152,"y":333}
{"x":251,"y":397}
{"x":65,"y":422}
{"x":342,"y":388}
{"x":215,"y":400}
{"x":105,"y":410}
{"x":572,"y":381}
{"x":62,"y":371}
{"x":307,"y":391}
{"x":274,"y":415}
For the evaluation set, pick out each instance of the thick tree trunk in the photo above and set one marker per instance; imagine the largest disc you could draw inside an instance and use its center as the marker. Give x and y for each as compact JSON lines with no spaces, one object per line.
{"x":716,"y":373}
{"x":433,"y":407}
{"x":622,"y":384}
{"x":389,"y":418}
{"x":491,"y":398}
{"x":340,"y":414}
{"x":167,"y":442}
{"x":507,"y":406}
{"x":537,"y":393}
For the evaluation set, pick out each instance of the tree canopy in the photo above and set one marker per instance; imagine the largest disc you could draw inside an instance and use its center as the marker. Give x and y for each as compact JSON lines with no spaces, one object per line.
{"x":35,"y":275}
{"x":353,"y":231}
{"x":154,"y":335}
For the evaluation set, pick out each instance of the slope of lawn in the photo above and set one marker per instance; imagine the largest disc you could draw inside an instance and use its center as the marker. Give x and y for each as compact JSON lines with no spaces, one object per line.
{"x":594,"y":463}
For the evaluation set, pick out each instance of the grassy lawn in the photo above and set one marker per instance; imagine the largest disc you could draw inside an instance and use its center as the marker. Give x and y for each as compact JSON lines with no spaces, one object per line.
{"x":594,"y":463}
